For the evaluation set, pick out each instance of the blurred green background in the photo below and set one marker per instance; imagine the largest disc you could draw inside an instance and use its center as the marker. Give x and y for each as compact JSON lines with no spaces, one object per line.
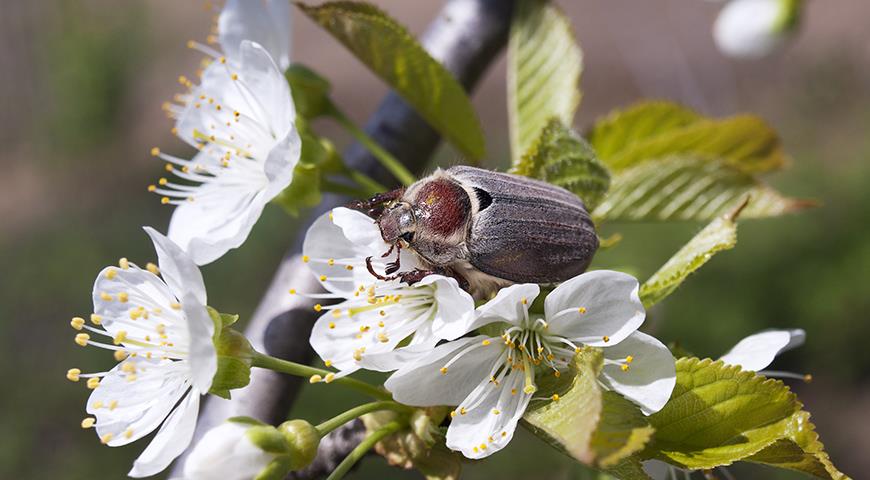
{"x":81,"y":83}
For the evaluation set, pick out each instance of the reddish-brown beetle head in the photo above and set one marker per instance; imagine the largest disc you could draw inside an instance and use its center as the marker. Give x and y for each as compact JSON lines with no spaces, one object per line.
{"x":398,"y":222}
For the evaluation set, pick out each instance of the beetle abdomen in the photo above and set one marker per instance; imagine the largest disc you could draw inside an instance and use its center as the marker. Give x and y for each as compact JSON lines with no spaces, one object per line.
{"x":531,"y":231}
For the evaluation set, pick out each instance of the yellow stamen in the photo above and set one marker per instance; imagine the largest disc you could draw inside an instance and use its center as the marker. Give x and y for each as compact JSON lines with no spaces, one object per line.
{"x":318,"y":307}
{"x":120,"y":337}
{"x":88,"y":422}
{"x":120,"y":355}
{"x":123,"y":297}
{"x":305,"y":259}
{"x":315,"y":379}
{"x":106,"y":438}
{"x":555,"y":397}
{"x":152,"y":268}
{"x":82,"y":339}
{"x":443,"y":370}
{"x":77,"y":323}
{"x":605,"y":338}
{"x":105,"y":297}
{"x":93,"y":383}
{"x":123,"y":263}
{"x":96,"y":319}
{"x":73,"y":374}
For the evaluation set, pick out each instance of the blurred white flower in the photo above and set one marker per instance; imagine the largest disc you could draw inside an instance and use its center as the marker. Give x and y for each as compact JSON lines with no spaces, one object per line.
{"x":491,"y":379}
{"x":754,"y":28}
{"x":161,"y":334}
{"x":375,"y":315}
{"x":226,"y":452}
{"x":242,"y":119}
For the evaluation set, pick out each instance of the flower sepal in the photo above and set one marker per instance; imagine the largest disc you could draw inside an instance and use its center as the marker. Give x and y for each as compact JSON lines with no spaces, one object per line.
{"x":310,"y":91}
{"x":422,"y":447}
{"x":234,"y":355}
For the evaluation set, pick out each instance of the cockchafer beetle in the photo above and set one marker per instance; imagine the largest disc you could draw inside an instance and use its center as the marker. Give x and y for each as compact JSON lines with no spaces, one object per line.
{"x":484,"y":228}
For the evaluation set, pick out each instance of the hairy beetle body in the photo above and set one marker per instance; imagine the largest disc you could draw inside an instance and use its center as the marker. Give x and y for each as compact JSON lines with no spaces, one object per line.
{"x":488,"y":229}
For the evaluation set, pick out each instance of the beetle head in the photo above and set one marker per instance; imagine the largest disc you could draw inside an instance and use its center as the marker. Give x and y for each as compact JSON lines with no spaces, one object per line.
{"x":398,"y":222}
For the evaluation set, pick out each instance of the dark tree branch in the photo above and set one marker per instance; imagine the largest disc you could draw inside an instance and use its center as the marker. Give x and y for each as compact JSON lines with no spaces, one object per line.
{"x":466,"y":37}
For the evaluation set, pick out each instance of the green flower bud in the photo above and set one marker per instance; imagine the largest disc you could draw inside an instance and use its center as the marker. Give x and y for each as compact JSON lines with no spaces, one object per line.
{"x":303,"y":440}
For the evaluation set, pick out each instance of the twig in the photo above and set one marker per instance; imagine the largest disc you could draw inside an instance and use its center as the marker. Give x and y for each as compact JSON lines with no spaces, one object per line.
{"x":466,"y":37}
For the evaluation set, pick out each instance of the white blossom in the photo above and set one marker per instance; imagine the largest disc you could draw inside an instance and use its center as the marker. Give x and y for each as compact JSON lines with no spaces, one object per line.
{"x":226,"y":452}
{"x":241,"y":117}
{"x":374,"y":315}
{"x":492,"y":379}
{"x":756,"y":352}
{"x":266,"y":22}
{"x":156,"y":323}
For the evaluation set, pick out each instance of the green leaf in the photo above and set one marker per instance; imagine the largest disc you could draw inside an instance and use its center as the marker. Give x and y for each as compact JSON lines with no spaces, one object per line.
{"x":622,"y":431}
{"x":719,"y":414}
{"x":568,"y":423}
{"x":654,"y":130}
{"x":801,"y":451}
{"x":543,"y":73}
{"x":689,"y":188}
{"x":310,"y":91}
{"x":396,"y":57}
{"x":304,"y":191}
{"x":562,"y":157}
{"x":720,"y":234}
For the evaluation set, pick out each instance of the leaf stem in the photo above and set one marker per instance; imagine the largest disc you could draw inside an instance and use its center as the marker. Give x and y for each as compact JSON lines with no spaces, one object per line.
{"x":389,"y":162}
{"x":363,"y":448}
{"x":359,"y":411}
{"x":291,"y":368}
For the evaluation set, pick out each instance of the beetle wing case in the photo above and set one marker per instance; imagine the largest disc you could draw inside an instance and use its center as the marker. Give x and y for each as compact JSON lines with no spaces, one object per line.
{"x":526,"y":230}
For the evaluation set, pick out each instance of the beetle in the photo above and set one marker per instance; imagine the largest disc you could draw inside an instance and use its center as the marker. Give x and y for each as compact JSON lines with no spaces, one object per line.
{"x":486,"y":229}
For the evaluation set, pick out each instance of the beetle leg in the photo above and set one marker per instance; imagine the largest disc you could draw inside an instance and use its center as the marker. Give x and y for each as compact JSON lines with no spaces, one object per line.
{"x":377,"y":275}
{"x":394,"y":266}
{"x":415,"y":276}
{"x":374,"y":207}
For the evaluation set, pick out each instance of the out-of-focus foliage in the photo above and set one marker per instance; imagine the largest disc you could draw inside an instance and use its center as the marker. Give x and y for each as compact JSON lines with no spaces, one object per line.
{"x":670,"y":163}
{"x":394,"y":55}
{"x":543,"y":74}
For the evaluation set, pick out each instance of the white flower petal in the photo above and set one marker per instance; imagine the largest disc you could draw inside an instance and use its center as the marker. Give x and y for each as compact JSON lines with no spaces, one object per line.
{"x":226,"y":453}
{"x":395,"y":359}
{"x":507,"y":306}
{"x":756,"y":352}
{"x":127,"y":410}
{"x":359,"y":229}
{"x":266,"y":22}
{"x":597,"y":308}
{"x":177,"y":269}
{"x":749,"y":28}
{"x":171,"y":440}
{"x":422,"y":383}
{"x":202,"y":355}
{"x":454,"y":312}
{"x":491,"y":415}
{"x":651,"y":375}
{"x":209,"y":230}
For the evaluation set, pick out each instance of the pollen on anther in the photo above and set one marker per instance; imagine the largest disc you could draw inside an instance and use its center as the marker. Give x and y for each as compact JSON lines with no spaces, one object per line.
{"x":77,"y":323}
{"x":605,"y":338}
{"x":305,"y":259}
{"x":624,"y":367}
{"x":106,"y":438}
{"x":120,"y":337}
{"x":88,"y":422}
{"x":463,"y":411}
{"x":120,"y":355}
{"x":485,"y":342}
{"x":318,"y":307}
{"x":555,"y":397}
{"x":495,"y":411}
{"x":329,"y":377}
{"x":315,"y":379}
{"x":443,"y":370}
{"x":123,"y":297}
{"x":96,"y":319}
{"x":330,"y":262}
{"x":348,"y":267}
{"x":524,"y":301}
{"x":82,"y":339}
{"x":331,"y":325}
{"x":152,"y":188}
{"x":328,"y":363}
{"x":152,"y":268}
{"x":73,"y":374}
{"x":323,"y":278}
{"x":164,"y":200}
{"x":629,"y":359}
{"x":93,"y":383}
{"x":292,"y":291}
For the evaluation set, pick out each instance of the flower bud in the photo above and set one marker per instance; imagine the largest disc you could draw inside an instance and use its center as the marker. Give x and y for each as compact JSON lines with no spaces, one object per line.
{"x":755,"y":28}
{"x":303,"y":440}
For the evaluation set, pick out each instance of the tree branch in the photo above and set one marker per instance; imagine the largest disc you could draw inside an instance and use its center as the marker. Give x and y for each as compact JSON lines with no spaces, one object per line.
{"x":466,"y":37}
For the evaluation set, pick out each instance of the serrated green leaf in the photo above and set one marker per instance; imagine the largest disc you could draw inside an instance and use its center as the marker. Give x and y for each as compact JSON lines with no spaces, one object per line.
{"x":396,"y":57}
{"x":719,"y":414}
{"x":562,"y":157}
{"x":720,"y":234}
{"x":621,"y":432}
{"x":801,"y":451}
{"x":646,"y":120}
{"x":689,"y":188}
{"x":654,"y":130}
{"x":543,"y":73}
{"x":628,"y":469}
{"x":568,"y":423}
